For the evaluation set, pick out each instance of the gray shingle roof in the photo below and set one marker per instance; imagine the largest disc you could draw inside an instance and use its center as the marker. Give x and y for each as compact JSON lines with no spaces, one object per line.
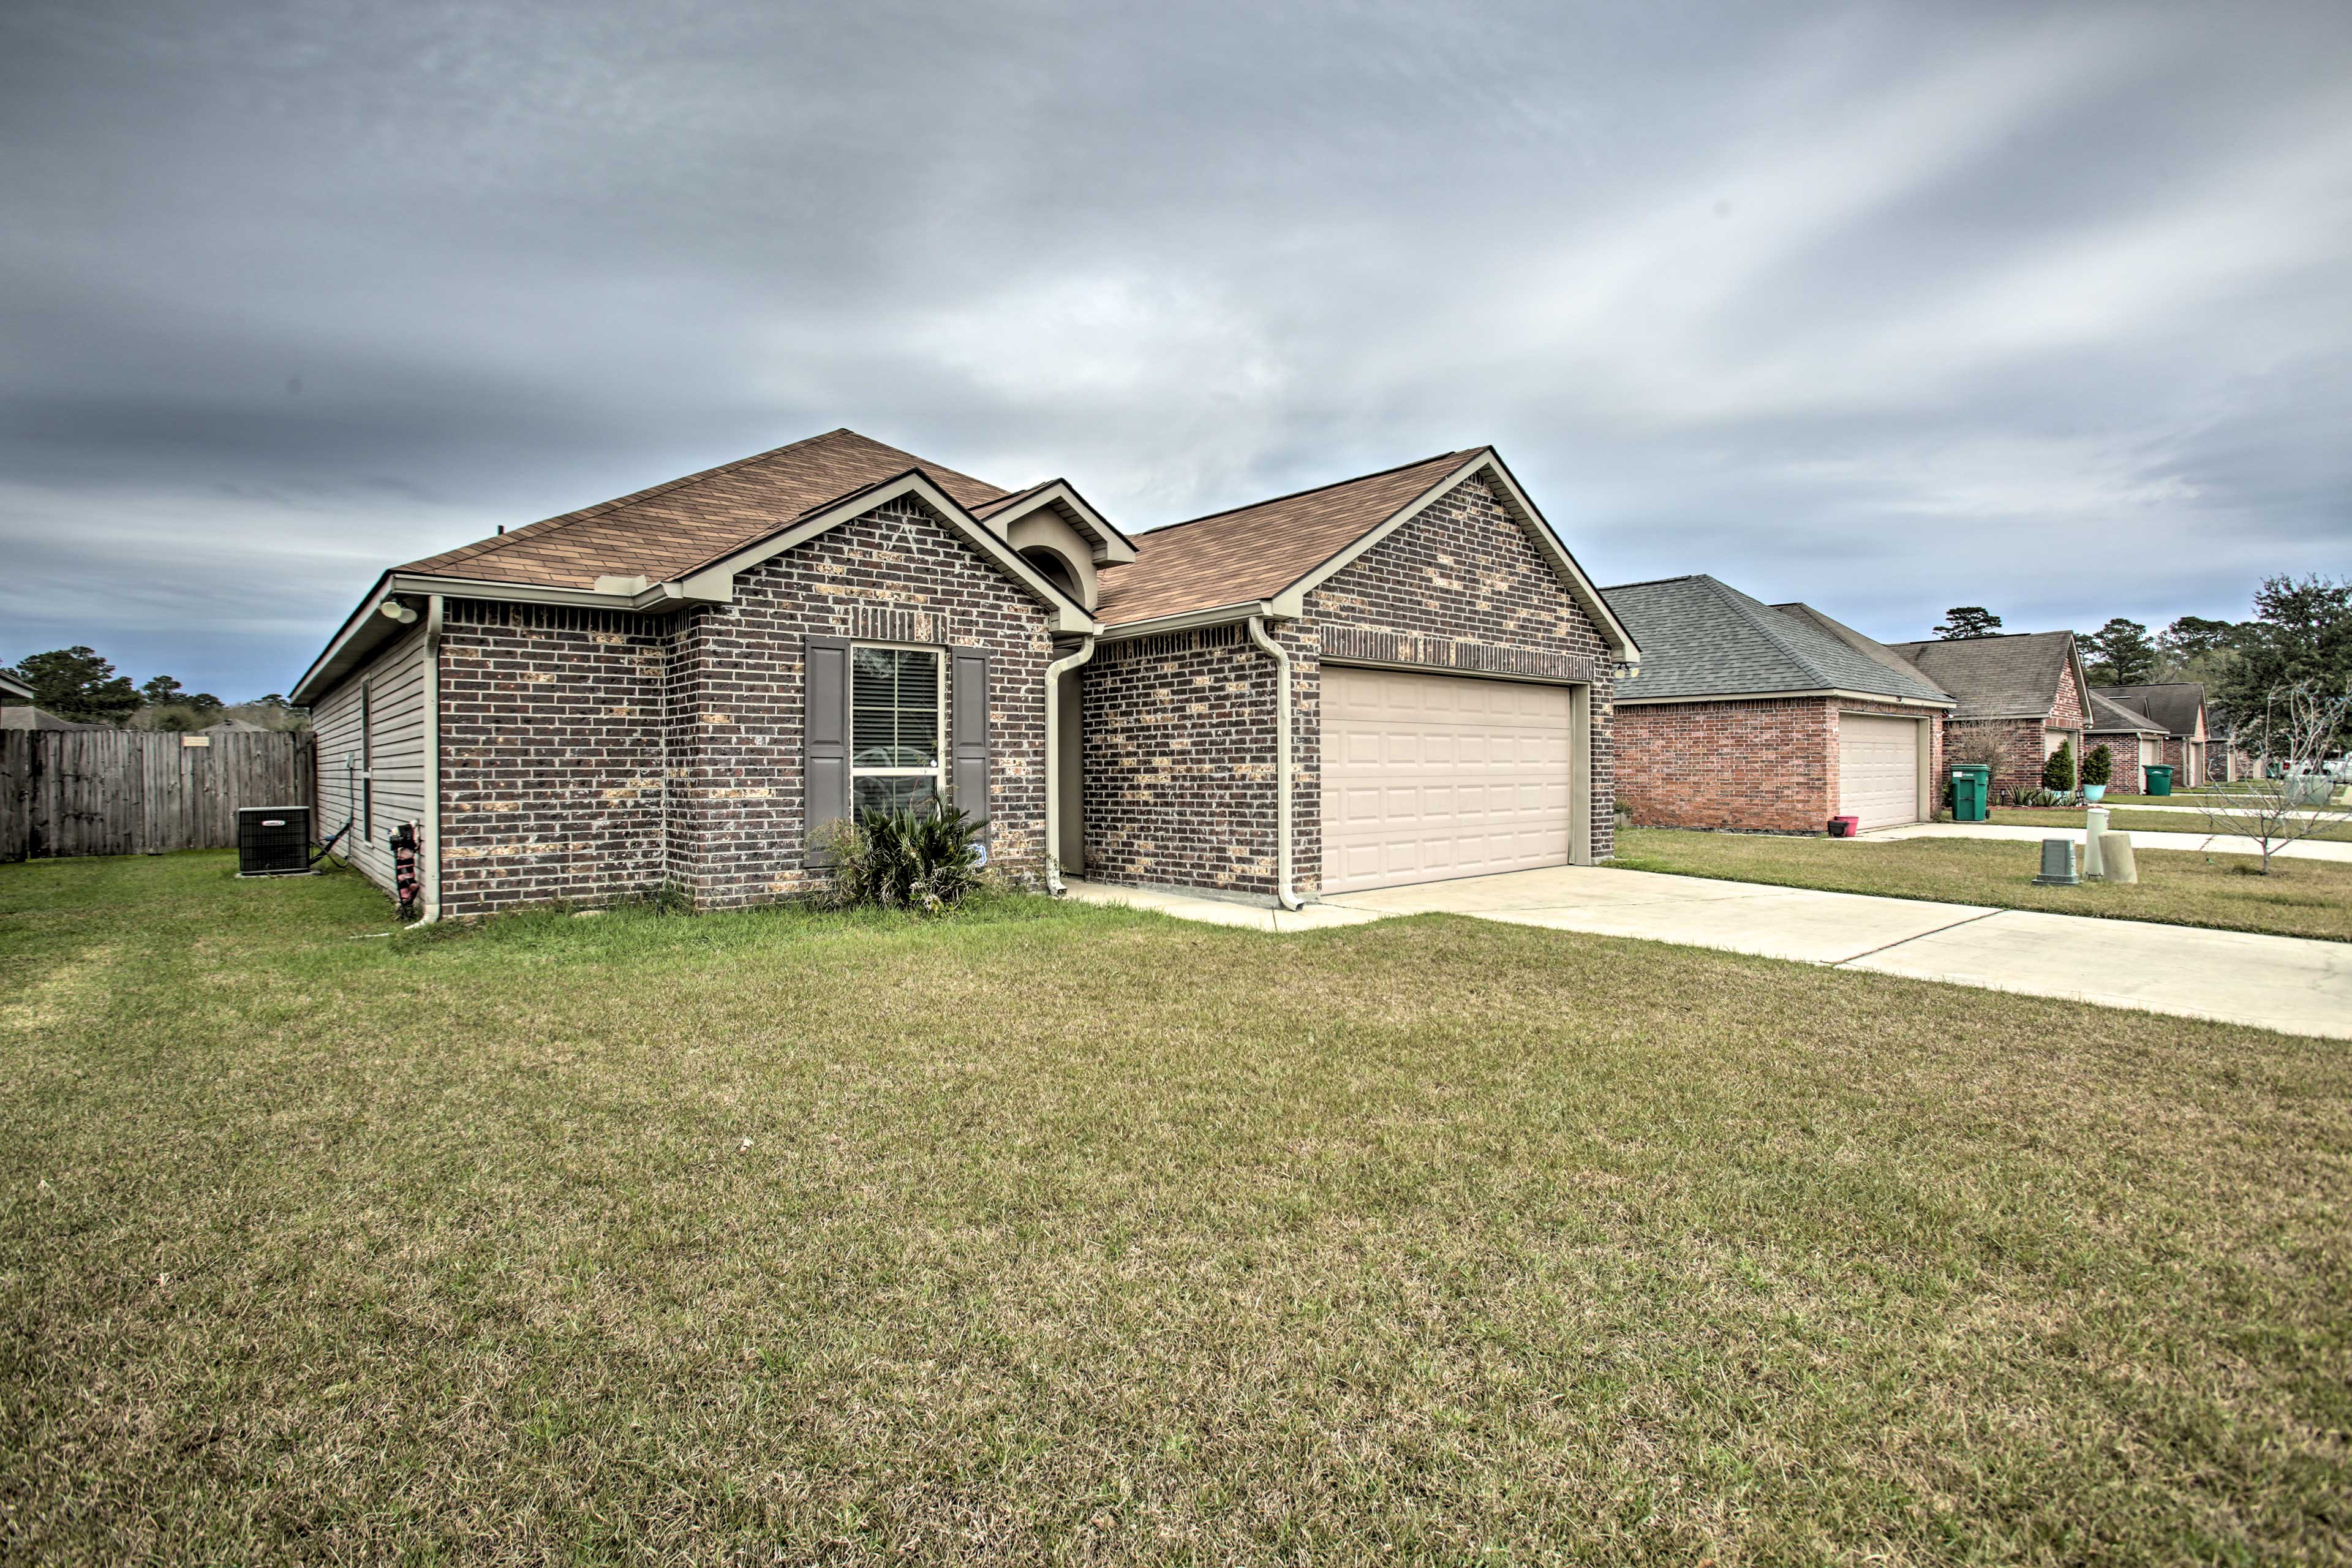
{"x":2173,"y":707}
{"x":2013,"y":677}
{"x":1702,"y":639}
{"x":18,"y":716}
{"x":2110,"y":717}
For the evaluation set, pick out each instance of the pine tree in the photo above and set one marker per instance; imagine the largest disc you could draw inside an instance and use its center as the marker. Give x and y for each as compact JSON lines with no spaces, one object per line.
{"x":1968,"y":621}
{"x":74,"y":683}
{"x":2123,"y":654}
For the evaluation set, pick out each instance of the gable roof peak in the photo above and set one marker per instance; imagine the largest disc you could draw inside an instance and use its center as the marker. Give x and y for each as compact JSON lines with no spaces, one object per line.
{"x":668,"y":529}
{"x":1703,"y":639}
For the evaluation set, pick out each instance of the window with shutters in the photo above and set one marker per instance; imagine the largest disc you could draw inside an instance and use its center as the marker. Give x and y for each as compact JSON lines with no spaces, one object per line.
{"x":897,"y":727}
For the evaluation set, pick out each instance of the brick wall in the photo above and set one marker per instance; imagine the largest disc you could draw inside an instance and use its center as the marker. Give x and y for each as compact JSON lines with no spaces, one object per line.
{"x":1768,"y":765}
{"x":2017,"y":765}
{"x":736,"y":689}
{"x":589,"y":755}
{"x":1468,"y":590}
{"x":1179,"y":762}
{"x":1180,"y":729}
{"x":550,"y":756}
{"x":2124,"y":775}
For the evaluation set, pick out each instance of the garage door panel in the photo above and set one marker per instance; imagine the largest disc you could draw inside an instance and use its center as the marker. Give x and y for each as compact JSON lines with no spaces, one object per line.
{"x":1463,"y":777}
{"x":1878,"y":769}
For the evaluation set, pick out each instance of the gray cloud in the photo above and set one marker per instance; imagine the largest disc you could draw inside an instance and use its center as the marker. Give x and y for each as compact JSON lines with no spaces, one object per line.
{"x":1887,"y":307}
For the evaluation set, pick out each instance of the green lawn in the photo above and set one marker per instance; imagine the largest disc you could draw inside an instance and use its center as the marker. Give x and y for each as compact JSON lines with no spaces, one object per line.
{"x":2125,"y":821}
{"x":2191,"y":798}
{"x":2299,"y":898}
{"x":1066,"y":1233}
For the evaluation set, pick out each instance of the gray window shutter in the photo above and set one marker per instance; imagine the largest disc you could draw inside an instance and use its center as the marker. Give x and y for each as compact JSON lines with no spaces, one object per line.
{"x":825,"y":740}
{"x":968,"y":730}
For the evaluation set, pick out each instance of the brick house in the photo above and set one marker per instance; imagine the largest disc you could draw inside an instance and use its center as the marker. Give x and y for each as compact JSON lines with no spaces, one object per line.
{"x":2178,"y":709}
{"x":2132,"y":740}
{"x":1398,"y":677}
{"x":1759,"y":718}
{"x":2021,"y":697}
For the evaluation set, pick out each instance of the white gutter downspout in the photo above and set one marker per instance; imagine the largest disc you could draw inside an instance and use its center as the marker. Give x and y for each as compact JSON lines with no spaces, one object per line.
{"x":1054,"y":673}
{"x":431,"y":846}
{"x":1282,"y":889}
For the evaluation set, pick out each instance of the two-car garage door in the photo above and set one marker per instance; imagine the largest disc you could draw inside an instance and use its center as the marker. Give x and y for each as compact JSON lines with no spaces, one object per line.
{"x":1430,"y":776}
{"x":1878,"y":769}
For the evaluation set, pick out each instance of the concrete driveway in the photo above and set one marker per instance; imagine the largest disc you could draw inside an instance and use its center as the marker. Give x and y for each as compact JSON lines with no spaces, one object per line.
{"x":2289,"y":983}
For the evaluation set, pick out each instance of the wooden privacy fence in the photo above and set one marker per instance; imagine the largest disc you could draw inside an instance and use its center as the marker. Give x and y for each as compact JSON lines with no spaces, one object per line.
{"x":139,"y":792}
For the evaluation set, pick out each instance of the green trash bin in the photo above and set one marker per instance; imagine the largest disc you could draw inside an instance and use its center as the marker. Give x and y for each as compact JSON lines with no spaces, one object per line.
{"x":2160,"y":778}
{"x":1971,"y":792}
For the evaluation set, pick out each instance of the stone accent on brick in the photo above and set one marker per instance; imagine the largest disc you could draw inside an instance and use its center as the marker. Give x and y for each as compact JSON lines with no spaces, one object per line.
{"x":1179,"y":728}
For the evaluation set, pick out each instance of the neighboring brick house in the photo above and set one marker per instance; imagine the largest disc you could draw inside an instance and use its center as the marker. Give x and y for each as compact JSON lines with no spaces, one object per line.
{"x":2017,"y":697}
{"x":1756,"y":718}
{"x":2132,"y":740}
{"x":672,"y":691}
{"x":2179,"y":708}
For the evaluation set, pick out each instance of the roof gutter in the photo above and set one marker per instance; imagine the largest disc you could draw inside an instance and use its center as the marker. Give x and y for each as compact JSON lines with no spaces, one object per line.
{"x":1054,"y":673}
{"x":1187,"y":620}
{"x":1842,"y":693}
{"x":432,"y":845}
{"x":1283,"y":892}
{"x":632,"y":596}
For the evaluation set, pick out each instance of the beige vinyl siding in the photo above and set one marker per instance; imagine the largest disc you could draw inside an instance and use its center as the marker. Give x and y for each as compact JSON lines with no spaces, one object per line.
{"x":393,"y":687}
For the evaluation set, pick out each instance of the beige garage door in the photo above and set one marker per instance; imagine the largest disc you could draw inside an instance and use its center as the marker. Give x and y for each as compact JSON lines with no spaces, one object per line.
{"x":1429,"y":777}
{"x":1878,"y":769}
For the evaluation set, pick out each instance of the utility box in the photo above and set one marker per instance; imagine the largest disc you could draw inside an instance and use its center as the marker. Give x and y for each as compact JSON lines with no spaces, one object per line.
{"x":273,"y":840}
{"x":2058,"y":869}
{"x":2116,"y":854}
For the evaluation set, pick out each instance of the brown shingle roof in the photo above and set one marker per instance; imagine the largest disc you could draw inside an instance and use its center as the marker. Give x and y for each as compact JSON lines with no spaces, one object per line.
{"x":671,"y":529}
{"x":1255,"y":551}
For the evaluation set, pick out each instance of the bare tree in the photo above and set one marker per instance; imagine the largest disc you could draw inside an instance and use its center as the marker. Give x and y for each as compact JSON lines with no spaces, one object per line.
{"x":2301,"y":726}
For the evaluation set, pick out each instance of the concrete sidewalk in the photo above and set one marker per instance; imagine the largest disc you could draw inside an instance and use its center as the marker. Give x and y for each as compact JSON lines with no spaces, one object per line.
{"x":2193,"y":843}
{"x":2287,"y":983}
{"x":2334,"y":812}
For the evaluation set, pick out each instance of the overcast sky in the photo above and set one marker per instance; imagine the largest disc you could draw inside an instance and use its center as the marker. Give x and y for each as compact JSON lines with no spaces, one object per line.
{"x":1887,"y":307}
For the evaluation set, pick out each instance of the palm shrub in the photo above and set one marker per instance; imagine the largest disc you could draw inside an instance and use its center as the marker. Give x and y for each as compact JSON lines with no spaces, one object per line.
{"x":2099,"y":766}
{"x":926,"y":860}
{"x":2058,"y":768}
